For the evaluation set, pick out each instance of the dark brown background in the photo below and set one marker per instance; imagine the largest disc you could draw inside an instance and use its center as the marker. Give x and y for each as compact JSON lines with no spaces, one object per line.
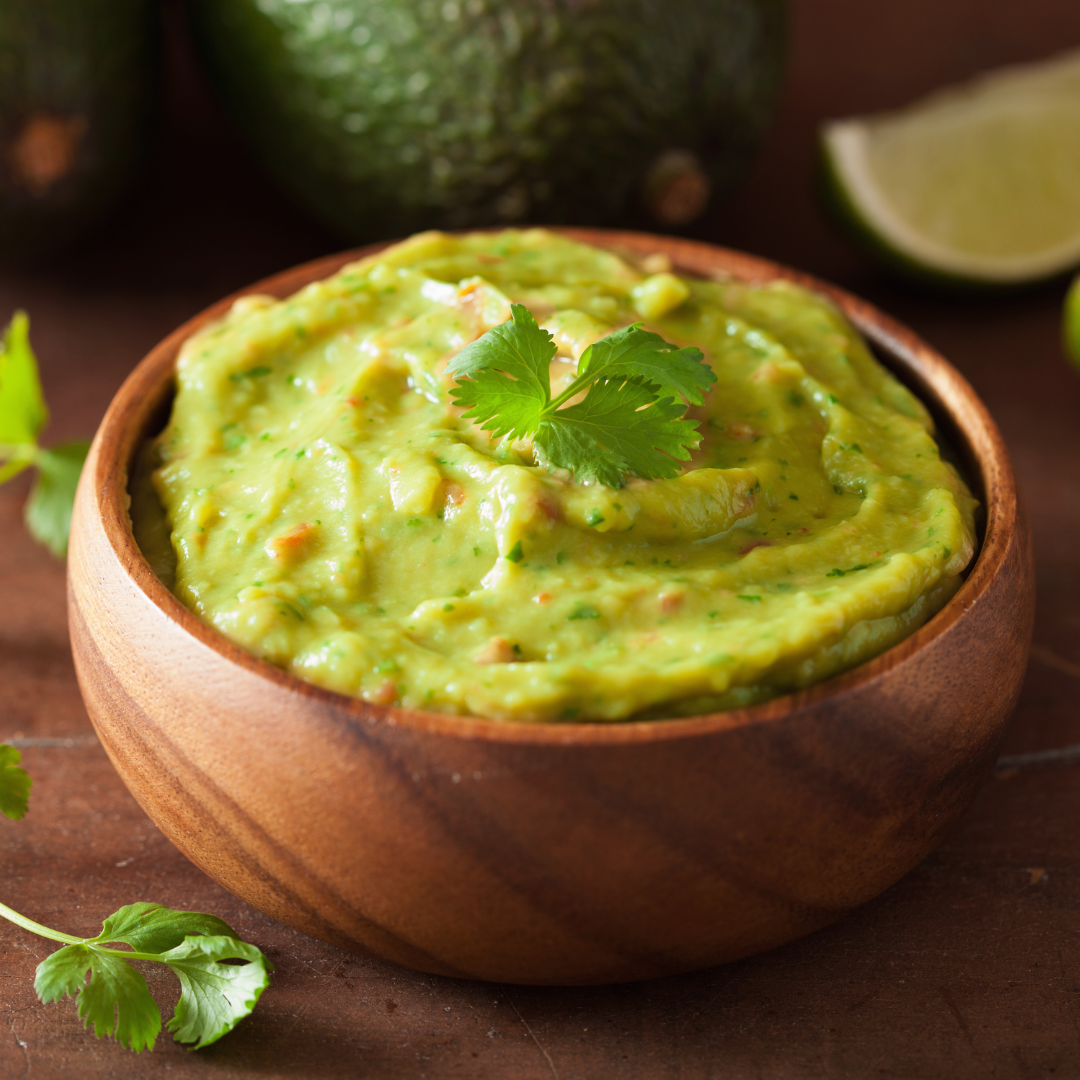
{"x":970,"y":967}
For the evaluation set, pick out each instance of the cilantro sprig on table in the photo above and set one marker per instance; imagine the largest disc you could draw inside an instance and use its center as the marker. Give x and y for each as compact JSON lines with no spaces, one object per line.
{"x":631,"y":420}
{"x":22,"y":416}
{"x":215,"y":995}
{"x":201,"y":950}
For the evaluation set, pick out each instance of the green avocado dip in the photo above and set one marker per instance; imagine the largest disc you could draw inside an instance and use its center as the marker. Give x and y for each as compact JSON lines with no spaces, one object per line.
{"x":332,"y":512}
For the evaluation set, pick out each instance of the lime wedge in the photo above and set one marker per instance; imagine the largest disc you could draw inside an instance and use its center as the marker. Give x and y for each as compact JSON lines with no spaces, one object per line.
{"x":976,"y":184}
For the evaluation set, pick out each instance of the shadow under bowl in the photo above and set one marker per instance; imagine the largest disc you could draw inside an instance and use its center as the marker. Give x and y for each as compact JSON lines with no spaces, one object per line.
{"x":550,"y":853}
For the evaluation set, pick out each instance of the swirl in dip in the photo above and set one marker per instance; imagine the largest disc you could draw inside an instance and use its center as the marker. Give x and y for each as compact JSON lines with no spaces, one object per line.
{"x":331,"y":512}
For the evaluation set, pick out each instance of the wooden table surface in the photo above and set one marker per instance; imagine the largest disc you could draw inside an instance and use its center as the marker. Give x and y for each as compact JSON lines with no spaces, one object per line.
{"x":969,"y":967}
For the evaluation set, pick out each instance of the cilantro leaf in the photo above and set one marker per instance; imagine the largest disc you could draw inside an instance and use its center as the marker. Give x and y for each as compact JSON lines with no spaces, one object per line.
{"x":22,"y":407}
{"x":14,"y":783}
{"x":153,"y":928}
{"x":507,"y":369}
{"x":501,"y":405}
{"x":48,"y":509}
{"x":635,"y":353}
{"x":617,"y":429}
{"x":518,"y":346}
{"x":631,"y":419}
{"x":63,"y":973}
{"x":116,"y":1001}
{"x":215,"y":996}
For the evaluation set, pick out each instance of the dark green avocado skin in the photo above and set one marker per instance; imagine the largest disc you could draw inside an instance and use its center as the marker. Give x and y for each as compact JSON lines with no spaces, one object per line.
{"x":387,"y":116}
{"x":78,"y":82}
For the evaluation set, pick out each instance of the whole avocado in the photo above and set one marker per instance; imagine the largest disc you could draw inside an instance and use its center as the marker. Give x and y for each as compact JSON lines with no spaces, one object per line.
{"x":77,"y":82}
{"x":388,"y":116}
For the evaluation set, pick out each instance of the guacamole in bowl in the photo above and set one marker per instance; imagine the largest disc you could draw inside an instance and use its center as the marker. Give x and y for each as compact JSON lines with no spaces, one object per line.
{"x":330,"y":510}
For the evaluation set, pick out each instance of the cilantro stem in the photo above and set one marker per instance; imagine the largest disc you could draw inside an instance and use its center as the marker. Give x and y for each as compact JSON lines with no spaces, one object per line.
{"x":579,"y":384}
{"x":582,"y":382}
{"x":37,"y":928}
{"x":125,"y":954}
{"x":55,"y":935}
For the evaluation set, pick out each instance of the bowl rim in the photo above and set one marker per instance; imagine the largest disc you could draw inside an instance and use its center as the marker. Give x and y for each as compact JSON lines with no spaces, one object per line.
{"x":937,"y":382}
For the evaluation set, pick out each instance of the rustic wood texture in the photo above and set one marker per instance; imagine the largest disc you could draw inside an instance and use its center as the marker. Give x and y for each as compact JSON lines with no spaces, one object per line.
{"x":966,"y":968}
{"x":548,"y":854}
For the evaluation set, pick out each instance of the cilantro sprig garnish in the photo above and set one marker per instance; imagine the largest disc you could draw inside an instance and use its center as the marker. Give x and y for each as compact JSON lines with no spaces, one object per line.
{"x":631,"y":420}
{"x":22,"y":416}
{"x":215,"y":994}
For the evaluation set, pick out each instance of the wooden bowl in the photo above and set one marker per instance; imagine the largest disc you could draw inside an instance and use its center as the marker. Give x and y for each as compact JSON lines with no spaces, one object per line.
{"x":549,"y":853}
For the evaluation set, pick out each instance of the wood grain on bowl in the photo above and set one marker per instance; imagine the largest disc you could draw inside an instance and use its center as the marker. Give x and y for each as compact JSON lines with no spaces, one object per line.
{"x":568,"y":853}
